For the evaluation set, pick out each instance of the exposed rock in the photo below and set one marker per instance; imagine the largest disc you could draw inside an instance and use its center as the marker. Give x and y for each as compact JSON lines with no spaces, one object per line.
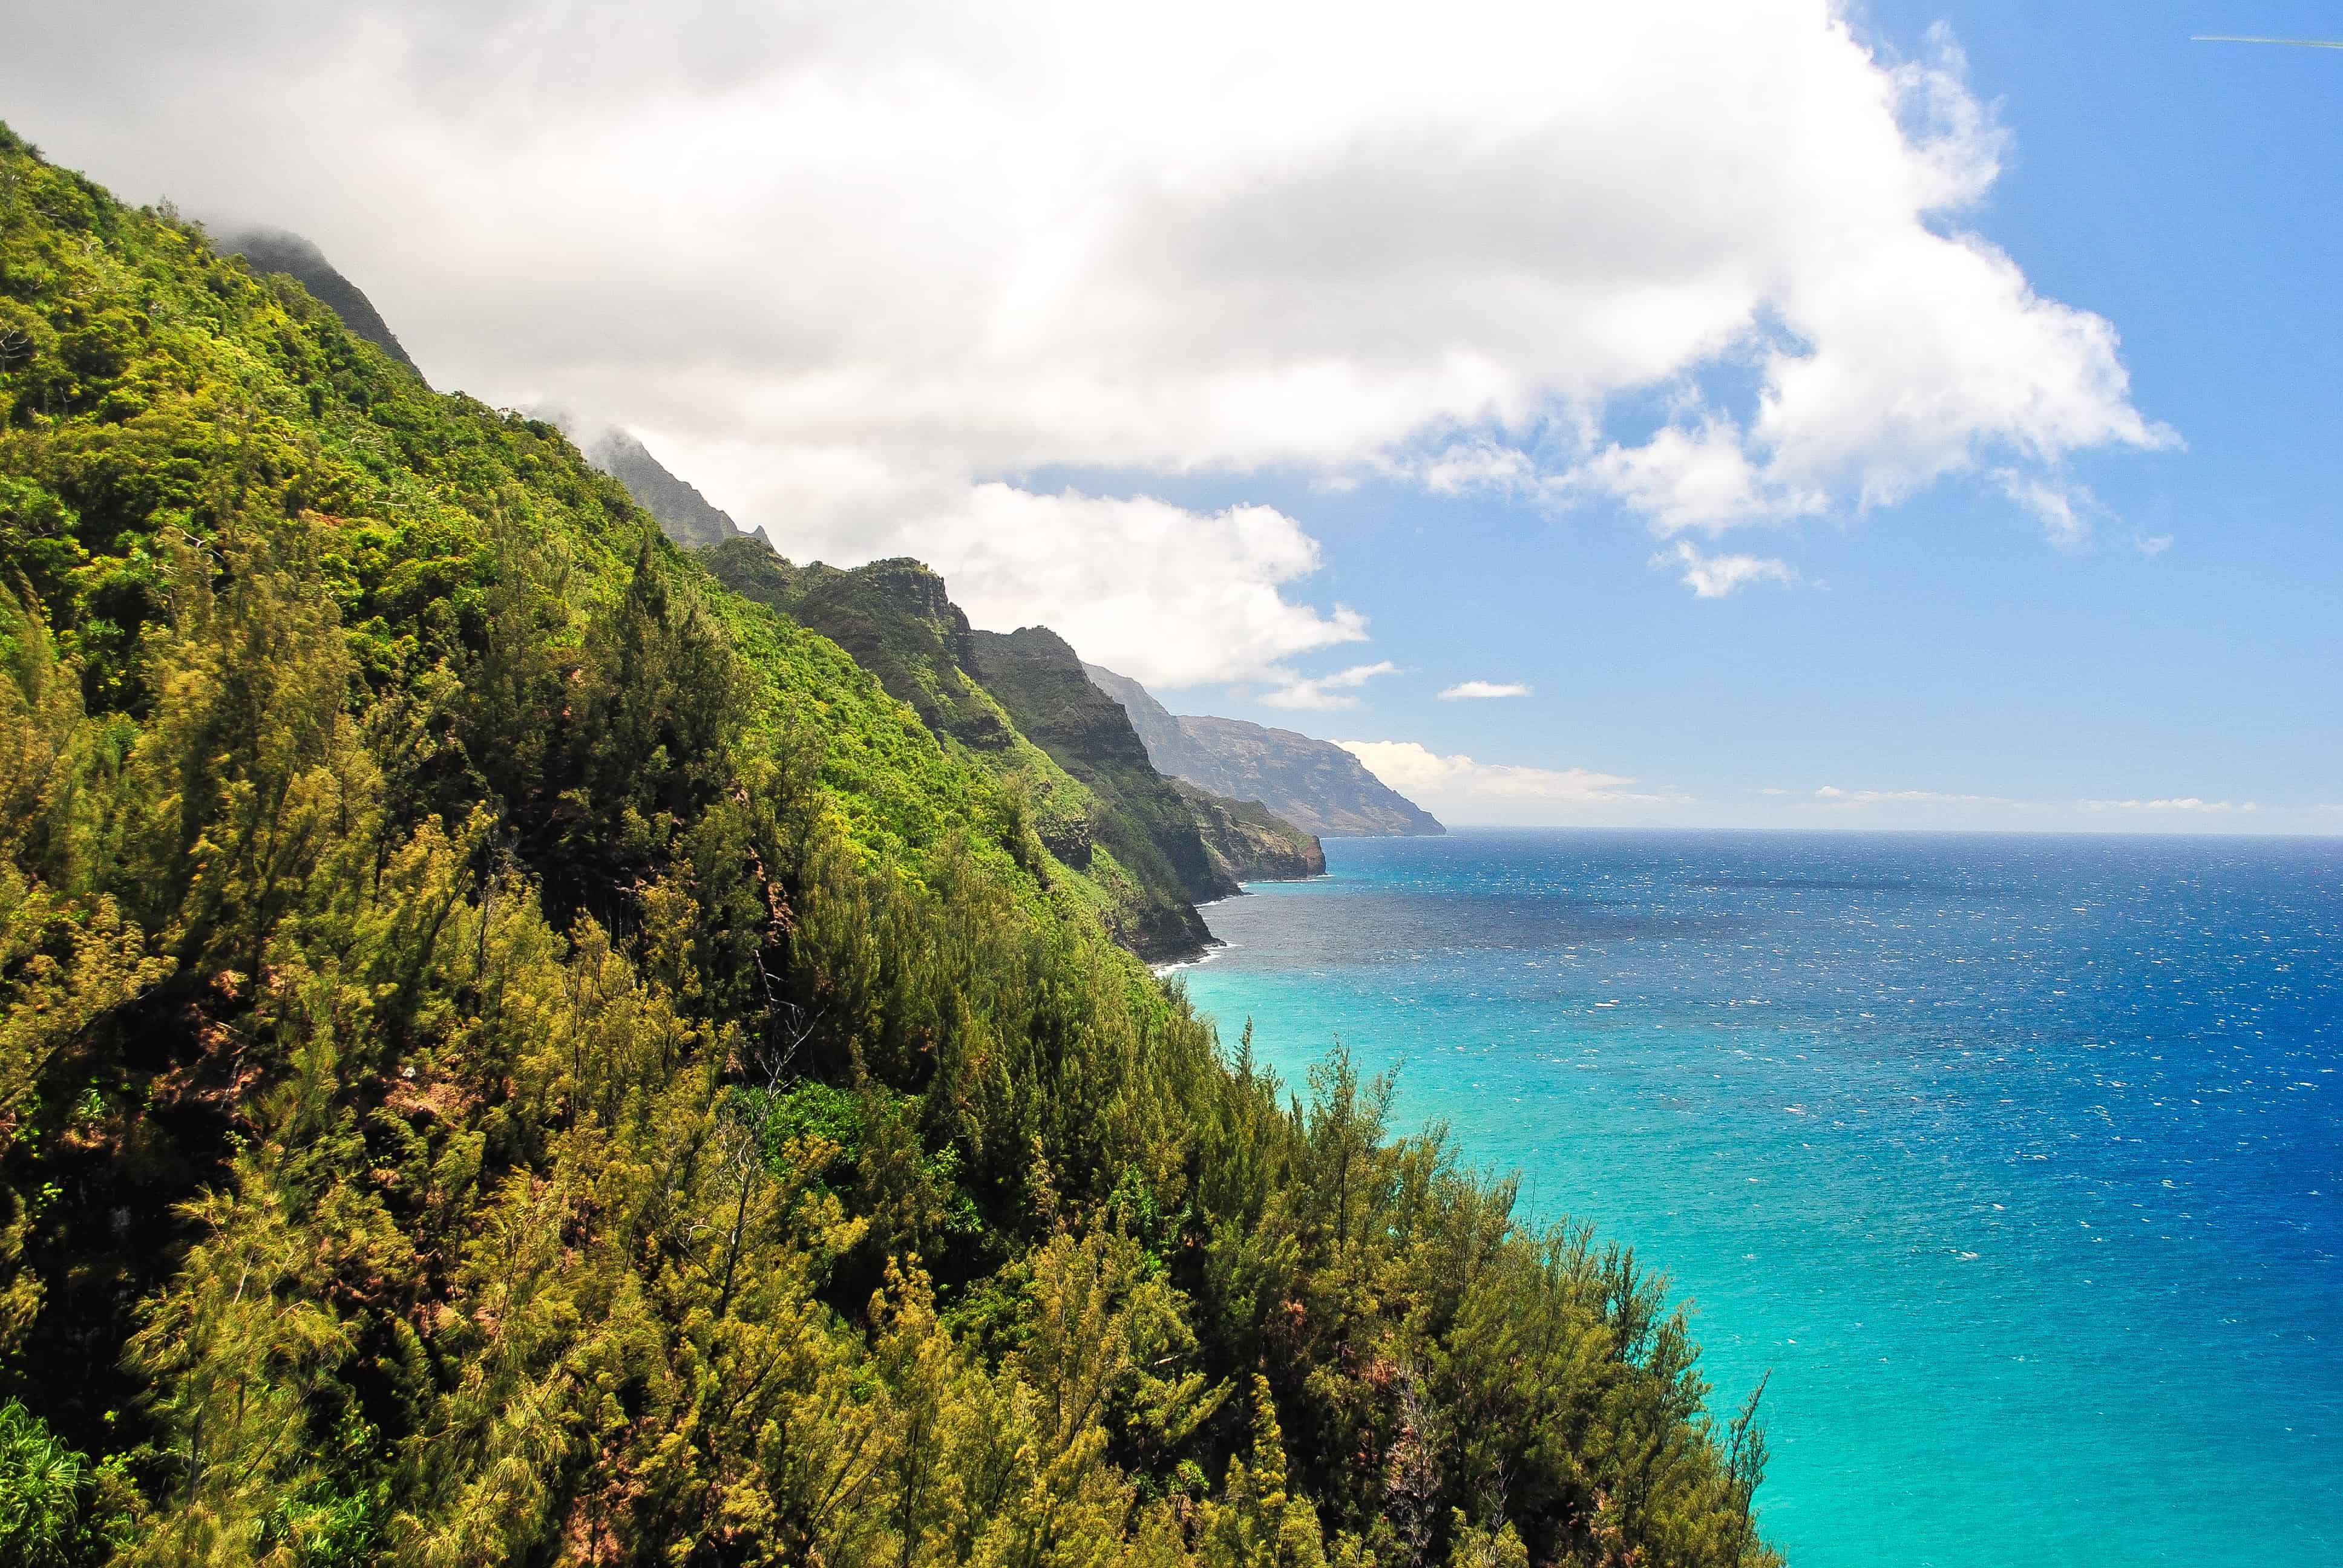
{"x":1040,"y":681}
{"x":1248,"y":842}
{"x":684,"y":515}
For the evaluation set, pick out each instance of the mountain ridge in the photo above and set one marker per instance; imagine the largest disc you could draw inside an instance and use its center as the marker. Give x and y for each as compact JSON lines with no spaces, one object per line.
{"x":278,"y":250}
{"x":1313,"y":784}
{"x":684,"y":515}
{"x":1015,"y":707}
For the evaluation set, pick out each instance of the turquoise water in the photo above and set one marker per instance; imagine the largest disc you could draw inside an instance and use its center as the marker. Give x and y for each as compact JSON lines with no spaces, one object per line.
{"x":2018,"y":1161}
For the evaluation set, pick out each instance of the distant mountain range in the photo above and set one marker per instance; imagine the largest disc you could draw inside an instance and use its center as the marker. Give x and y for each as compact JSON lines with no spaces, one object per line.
{"x":277,"y":250}
{"x":1313,"y":784}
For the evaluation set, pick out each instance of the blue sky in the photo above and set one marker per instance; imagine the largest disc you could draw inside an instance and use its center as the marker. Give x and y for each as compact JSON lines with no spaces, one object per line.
{"x":2185,"y":191}
{"x":1252,"y":346}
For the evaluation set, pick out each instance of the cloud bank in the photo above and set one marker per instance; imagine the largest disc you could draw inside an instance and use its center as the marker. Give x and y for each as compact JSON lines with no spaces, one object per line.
{"x":865,"y":268}
{"x":1466,"y":791}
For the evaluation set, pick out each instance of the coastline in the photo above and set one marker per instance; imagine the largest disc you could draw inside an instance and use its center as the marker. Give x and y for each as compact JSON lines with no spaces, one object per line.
{"x":1947,"y":1187}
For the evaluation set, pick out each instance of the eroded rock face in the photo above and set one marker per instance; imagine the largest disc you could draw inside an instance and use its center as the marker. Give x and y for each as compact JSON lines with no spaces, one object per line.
{"x":1248,"y":842}
{"x":1037,"y":677}
{"x":1315,"y":784}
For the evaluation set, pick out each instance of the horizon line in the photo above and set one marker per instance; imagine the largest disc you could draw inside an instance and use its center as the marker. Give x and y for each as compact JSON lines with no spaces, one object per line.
{"x":1852,"y":828}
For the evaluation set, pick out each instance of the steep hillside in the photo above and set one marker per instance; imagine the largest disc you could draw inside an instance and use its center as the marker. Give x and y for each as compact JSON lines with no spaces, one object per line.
{"x":1039,"y":683}
{"x":1315,"y":784}
{"x":1248,"y":842}
{"x":1139,"y":864}
{"x":513,"y":1053}
{"x":1158,"y":727}
{"x":684,"y":515}
{"x":276,"y":250}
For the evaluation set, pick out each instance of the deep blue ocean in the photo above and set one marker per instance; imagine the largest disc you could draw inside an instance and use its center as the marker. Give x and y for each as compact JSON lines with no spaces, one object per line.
{"x":2018,"y":1161}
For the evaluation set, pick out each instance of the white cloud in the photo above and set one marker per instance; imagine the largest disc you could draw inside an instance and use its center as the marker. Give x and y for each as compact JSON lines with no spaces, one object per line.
{"x":1465,"y":691}
{"x":1463,"y":467}
{"x":1119,"y":580}
{"x":2153,"y":546}
{"x":1714,"y":576}
{"x":1325,"y":693}
{"x":2066,"y":509}
{"x":1699,"y":477}
{"x":2183,"y":803}
{"x":854,"y":264}
{"x":1833,"y":796}
{"x":1464,"y":791}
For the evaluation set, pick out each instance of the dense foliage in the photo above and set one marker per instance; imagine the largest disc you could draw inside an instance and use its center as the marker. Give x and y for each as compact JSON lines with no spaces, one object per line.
{"x":509,"y":1052}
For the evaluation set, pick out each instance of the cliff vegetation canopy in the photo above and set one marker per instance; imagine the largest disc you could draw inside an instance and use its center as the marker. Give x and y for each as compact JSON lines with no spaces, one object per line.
{"x":510,"y":1052}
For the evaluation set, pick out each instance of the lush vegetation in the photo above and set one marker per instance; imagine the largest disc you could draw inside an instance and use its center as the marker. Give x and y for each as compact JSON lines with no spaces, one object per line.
{"x":511,"y":1053}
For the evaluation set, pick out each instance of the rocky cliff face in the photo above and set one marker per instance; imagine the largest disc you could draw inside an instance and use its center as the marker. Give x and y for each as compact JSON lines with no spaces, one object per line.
{"x":1037,"y":678}
{"x":275,"y":250}
{"x":1157,"y":726}
{"x":1248,"y":842}
{"x":684,"y":515}
{"x":1315,"y":784}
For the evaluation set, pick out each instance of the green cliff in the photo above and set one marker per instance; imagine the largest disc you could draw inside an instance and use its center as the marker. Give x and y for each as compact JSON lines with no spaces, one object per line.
{"x":513,"y":1053}
{"x":1110,"y":826}
{"x":1041,"y":684}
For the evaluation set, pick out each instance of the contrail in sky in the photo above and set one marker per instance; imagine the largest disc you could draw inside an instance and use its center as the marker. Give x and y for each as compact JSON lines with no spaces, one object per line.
{"x":2296,"y":43}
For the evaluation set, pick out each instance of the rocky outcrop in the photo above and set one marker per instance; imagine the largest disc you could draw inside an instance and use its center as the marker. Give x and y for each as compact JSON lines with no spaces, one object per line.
{"x":894,"y":617}
{"x":1019,"y":706}
{"x":1248,"y":842}
{"x":684,"y":515}
{"x":1315,"y":784}
{"x":279,"y":251}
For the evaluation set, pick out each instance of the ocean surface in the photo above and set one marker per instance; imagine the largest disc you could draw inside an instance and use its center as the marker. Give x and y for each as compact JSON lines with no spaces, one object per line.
{"x":2018,"y":1161}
